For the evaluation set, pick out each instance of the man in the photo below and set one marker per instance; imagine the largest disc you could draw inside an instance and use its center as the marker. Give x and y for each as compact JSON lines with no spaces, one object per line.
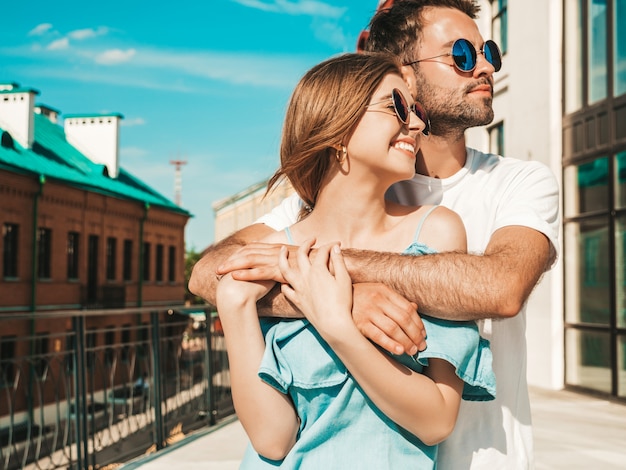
{"x":509,"y":207}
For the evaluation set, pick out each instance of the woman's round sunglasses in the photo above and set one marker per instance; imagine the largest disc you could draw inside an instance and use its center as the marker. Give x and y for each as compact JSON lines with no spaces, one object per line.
{"x":403,"y":110}
{"x":464,"y":55}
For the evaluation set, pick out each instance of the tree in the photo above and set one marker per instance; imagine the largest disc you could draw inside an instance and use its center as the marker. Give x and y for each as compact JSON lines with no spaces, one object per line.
{"x":191,"y":258}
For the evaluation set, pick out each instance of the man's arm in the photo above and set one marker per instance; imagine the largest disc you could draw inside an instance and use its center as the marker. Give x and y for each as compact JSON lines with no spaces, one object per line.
{"x":397,"y":328}
{"x":204,"y":276}
{"x":459,"y":286}
{"x":203,"y":280}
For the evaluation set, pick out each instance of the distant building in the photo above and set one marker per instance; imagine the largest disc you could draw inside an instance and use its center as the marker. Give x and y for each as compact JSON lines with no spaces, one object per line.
{"x":242,"y":209}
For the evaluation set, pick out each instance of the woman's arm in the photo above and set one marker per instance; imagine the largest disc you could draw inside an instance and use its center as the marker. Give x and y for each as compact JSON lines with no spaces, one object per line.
{"x":267,"y":415}
{"x":424,"y":404}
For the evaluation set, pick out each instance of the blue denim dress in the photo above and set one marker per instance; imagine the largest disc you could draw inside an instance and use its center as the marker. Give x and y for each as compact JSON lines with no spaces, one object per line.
{"x":340,"y":427}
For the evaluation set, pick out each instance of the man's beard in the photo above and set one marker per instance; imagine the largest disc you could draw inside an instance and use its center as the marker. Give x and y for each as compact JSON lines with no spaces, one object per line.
{"x":449,"y":111}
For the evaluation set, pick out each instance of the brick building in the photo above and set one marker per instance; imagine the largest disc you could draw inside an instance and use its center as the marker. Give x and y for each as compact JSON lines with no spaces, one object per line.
{"x":78,"y":231}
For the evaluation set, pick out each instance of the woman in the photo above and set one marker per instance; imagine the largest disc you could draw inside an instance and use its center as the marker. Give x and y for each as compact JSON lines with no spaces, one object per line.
{"x":315,"y":393}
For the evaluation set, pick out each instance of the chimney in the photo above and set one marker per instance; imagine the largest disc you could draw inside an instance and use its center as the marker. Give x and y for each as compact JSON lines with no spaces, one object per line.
{"x":97,"y":137}
{"x":49,"y":112}
{"x":17,"y":112}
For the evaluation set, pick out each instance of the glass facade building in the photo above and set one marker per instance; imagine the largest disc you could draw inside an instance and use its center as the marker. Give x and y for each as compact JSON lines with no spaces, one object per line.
{"x":594,"y":194}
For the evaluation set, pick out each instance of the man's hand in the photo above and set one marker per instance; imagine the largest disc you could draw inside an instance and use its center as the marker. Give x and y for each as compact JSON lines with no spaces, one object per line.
{"x":203,"y":281}
{"x":256,"y":262}
{"x":388,"y":319}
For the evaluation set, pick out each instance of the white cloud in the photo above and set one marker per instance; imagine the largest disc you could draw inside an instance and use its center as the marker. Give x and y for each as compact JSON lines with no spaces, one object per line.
{"x":266,"y":70}
{"x":165,"y":69}
{"x":133,"y":152}
{"x":298,"y":7}
{"x":59,"y":44}
{"x":40,"y":29}
{"x":133,"y":122}
{"x":329,"y":33}
{"x":87,"y":33}
{"x":115,"y":56}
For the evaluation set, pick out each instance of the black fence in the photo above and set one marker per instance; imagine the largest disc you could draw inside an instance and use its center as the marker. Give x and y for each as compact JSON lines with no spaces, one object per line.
{"x":101,"y":387}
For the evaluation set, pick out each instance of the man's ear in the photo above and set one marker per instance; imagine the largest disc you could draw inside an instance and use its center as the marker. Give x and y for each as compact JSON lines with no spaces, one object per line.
{"x":408,"y":74}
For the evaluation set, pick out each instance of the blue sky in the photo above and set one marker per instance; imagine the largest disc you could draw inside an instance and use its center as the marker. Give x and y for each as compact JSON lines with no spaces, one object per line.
{"x":201,"y":81}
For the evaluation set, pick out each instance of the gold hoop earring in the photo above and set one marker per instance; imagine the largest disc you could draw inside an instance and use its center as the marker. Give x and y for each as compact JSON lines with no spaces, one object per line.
{"x":341,"y":154}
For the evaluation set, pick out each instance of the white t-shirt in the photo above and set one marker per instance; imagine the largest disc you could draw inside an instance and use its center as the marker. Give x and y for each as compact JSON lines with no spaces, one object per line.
{"x":489,"y":192}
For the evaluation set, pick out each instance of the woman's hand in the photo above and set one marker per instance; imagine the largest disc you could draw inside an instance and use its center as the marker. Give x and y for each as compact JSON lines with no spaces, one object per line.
{"x":321,"y":289}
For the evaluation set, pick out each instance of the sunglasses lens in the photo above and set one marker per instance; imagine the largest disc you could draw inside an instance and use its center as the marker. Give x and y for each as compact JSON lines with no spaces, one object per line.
{"x":492,"y":54}
{"x":402,"y":109}
{"x":420,"y":112}
{"x":464,"y":55}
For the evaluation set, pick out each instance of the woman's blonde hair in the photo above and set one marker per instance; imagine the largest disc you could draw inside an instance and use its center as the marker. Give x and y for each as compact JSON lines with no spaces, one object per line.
{"x":324,"y":109}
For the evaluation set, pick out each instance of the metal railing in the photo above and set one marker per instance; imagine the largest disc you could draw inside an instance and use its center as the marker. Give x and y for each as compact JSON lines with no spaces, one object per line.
{"x":87,"y":389}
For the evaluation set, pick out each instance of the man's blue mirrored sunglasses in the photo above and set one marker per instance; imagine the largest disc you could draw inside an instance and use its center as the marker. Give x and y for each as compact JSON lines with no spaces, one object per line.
{"x":464,"y":55}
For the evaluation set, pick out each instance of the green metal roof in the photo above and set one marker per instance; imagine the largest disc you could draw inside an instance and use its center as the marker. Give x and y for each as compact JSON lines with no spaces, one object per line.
{"x":54,"y":158}
{"x":18,"y":89}
{"x":93,"y":115}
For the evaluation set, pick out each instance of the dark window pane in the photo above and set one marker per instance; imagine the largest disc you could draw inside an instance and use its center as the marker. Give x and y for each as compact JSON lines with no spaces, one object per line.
{"x":499,"y":24}
{"x":588,"y":359}
{"x":587,"y":279}
{"x":7,"y":361}
{"x":587,"y":187}
{"x":128,"y":259}
{"x":10,"y":234}
{"x":44,"y":253}
{"x":72,"y":255}
{"x":597,"y":46}
{"x":496,"y":139}
{"x":620,"y":269}
{"x":172,"y":264}
{"x":573,"y":60}
{"x":159,"y":263}
{"x":146,"y":261}
{"x":111,"y":258}
{"x":619,"y":47}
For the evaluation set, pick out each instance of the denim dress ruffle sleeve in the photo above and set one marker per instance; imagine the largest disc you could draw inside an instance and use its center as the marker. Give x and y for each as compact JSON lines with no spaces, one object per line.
{"x":340,"y":427}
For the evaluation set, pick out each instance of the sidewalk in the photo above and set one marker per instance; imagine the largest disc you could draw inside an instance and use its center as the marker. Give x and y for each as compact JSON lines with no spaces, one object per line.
{"x":572,"y":431}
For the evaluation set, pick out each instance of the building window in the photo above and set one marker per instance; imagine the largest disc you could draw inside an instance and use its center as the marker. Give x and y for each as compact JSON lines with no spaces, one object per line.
{"x":573,"y":60}
{"x":111,"y":258}
{"x":128,"y":260}
{"x":143,"y":340}
{"x":499,"y":24}
{"x":109,"y":342}
{"x":9,"y":249}
{"x":72,"y":255}
{"x":146,"y":261}
{"x":44,"y":253}
{"x":598,"y":47}
{"x":496,"y":139}
{"x":594,"y":195}
{"x":125,"y":352}
{"x":7,"y":361}
{"x":70,"y":353}
{"x":159,"y":263}
{"x":171,"y":271}
{"x":41,"y":353}
{"x":619,"y":47}
{"x":592,"y":254}
{"x":91,"y":340}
